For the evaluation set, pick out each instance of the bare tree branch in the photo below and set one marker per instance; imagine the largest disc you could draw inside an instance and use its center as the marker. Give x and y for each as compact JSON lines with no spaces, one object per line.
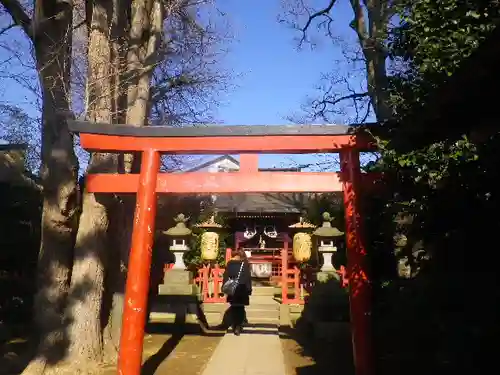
{"x":342,"y":98}
{"x":358,"y":23}
{"x":325,"y":12}
{"x":370,"y":23}
{"x":7,"y":28}
{"x":19,"y":15}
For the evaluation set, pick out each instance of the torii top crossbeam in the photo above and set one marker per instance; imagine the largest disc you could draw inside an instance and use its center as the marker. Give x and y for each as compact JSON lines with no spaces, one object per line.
{"x":245,"y":140}
{"x":152,"y":141}
{"x":218,"y":139}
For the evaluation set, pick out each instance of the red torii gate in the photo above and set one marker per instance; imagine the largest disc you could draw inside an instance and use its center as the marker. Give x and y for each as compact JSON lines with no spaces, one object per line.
{"x":152,"y":141}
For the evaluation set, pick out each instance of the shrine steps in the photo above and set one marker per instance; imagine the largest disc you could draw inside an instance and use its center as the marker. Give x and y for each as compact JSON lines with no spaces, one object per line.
{"x":268,"y":313}
{"x":263,"y":309}
{"x":269,"y":291}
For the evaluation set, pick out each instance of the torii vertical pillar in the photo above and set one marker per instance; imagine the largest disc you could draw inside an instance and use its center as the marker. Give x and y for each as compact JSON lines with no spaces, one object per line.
{"x":359,"y":282}
{"x":139,"y":265}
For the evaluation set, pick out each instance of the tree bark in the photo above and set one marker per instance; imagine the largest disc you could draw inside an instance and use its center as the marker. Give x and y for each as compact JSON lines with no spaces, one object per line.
{"x":50,"y":33}
{"x":146,"y":19}
{"x":370,"y":23}
{"x":119,"y":219}
{"x":145,"y":37}
{"x":371,"y":28}
{"x":116,"y":275}
{"x":87,"y":282}
{"x":118,"y":90}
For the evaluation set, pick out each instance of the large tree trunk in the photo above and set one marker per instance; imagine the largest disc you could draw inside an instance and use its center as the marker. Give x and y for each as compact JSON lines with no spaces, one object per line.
{"x":116,"y":275}
{"x":370,"y":26}
{"x":52,"y":41}
{"x":87,"y":282}
{"x":116,"y":268}
{"x":146,"y":19}
{"x":145,"y":37}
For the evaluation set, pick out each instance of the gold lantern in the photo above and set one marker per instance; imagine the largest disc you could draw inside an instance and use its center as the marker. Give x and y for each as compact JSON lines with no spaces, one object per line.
{"x":302,"y":240}
{"x":210,"y":239}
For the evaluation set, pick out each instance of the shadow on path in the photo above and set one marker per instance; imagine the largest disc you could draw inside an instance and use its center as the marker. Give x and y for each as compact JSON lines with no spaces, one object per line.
{"x":152,"y":363}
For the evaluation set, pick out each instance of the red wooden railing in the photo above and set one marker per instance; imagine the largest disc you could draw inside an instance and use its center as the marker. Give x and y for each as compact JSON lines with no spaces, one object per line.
{"x":209,"y":282}
{"x":168,"y":266}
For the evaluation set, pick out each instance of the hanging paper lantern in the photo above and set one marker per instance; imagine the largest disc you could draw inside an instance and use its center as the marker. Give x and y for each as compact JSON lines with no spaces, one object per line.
{"x":302,"y":241}
{"x":210,"y":239}
{"x":302,"y":245}
{"x":209,"y":245}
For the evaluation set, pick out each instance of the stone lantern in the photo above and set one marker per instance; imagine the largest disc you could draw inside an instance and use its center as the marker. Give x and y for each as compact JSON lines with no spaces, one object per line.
{"x":302,"y":240}
{"x":179,"y":235}
{"x":178,"y":281}
{"x":210,"y":239}
{"x":326,"y":235}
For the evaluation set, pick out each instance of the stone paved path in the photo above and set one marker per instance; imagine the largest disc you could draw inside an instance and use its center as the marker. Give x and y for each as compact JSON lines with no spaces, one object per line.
{"x":257,"y":351}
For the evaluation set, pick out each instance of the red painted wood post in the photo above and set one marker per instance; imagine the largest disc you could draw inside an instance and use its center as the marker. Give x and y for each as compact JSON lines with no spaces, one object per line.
{"x":228,"y":254}
{"x":249,"y":162}
{"x":217,"y":279}
{"x":136,"y":292}
{"x":359,"y":283}
{"x":296,"y":283}
{"x":284,"y":274}
{"x":206,"y":290}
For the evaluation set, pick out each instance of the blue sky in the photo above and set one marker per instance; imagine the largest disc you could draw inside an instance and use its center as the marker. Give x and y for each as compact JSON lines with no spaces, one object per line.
{"x":272,"y":77}
{"x":276,"y":77}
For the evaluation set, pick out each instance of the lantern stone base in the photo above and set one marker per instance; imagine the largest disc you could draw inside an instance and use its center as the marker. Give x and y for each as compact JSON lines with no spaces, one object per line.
{"x":177,"y":310}
{"x":177,"y":301}
{"x":177,"y":282}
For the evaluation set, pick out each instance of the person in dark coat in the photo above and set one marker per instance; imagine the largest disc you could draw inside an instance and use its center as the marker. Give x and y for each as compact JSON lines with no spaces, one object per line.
{"x":241,"y":296}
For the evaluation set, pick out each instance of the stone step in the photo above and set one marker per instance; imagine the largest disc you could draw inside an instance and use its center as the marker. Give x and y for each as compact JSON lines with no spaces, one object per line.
{"x":222,"y":307}
{"x":214,"y":319}
{"x":257,"y":328}
{"x":161,"y":317}
{"x":257,"y":303}
{"x":262,"y":300}
{"x":264,"y":291}
{"x":263,"y":307}
{"x":262,"y":314}
{"x":215,"y":307}
{"x":274,"y":321}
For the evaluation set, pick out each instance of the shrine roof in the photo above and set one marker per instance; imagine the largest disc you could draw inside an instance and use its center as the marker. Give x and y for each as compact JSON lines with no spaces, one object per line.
{"x":262,"y":203}
{"x":212,"y":162}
